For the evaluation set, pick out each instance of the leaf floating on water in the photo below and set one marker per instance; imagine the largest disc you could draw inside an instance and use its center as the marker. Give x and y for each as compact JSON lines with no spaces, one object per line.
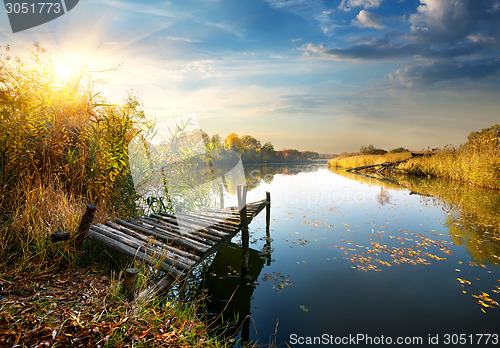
{"x":304,"y":308}
{"x":485,"y":300}
{"x":435,"y":257}
{"x":463,"y":281}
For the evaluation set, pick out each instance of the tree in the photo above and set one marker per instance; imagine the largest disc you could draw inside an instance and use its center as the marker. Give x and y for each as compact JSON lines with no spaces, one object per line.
{"x":487,"y":137}
{"x":233,"y":142}
{"x":216,"y":141}
{"x":398,"y":150}
{"x":268,"y":146}
{"x":310,"y":155}
{"x":267,"y":152}
{"x":371,"y":150}
{"x":250,"y":142}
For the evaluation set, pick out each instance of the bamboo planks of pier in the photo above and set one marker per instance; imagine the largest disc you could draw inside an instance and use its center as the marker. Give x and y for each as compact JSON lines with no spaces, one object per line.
{"x":159,"y":241}
{"x":174,"y":244}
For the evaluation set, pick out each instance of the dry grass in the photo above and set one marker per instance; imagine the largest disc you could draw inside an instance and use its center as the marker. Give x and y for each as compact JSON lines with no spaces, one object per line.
{"x":477,"y":162}
{"x":62,"y":147}
{"x":45,"y":305}
{"x":366,"y":160}
{"x":479,"y":166}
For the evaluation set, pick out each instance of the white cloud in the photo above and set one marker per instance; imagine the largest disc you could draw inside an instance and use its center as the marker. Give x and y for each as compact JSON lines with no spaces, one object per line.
{"x":369,"y":20}
{"x":346,"y":5}
{"x":445,"y":20}
{"x":448,"y":40}
{"x":182,"y":39}
{"x":311,"y":48}
{"x":311,"y":10}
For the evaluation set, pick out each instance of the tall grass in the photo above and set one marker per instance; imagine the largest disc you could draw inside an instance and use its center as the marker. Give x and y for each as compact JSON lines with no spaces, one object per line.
{"x":477,"y":162}
{"x":61,"y":146}
{"x":366,"y":160}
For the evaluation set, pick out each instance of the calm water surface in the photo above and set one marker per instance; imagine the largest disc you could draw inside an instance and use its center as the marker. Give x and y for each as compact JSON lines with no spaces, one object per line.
{"x":355,"y":256}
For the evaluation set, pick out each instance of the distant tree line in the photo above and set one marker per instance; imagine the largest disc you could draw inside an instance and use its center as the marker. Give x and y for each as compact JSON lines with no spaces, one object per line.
{"x":372,"y":150}
{"x":251,"y":150}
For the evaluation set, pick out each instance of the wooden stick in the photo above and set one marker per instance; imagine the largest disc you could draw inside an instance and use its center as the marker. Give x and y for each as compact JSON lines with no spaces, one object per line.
{"x":157,"y":253}
{"x":157,"y":288}
{"x":127,"y":250}
{"x":186,"y":256}
{"x":59,"y":236}
{"x":82,"y":230}
{"x":245,"y":237}
{"x":85,"y":223}
{"x":199,"y":222}
{"x":195,"y":235}
{"x":129,"y":283}
{"x":181,"y":241}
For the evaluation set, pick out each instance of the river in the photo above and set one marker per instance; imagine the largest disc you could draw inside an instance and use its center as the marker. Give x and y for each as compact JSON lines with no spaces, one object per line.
{"x":360,"y":260}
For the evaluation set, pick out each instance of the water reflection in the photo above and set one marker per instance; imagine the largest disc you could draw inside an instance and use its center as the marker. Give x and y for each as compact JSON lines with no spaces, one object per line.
{"x":391,"y":263}
{"x":473,"y":213}
{"x":383,"y":197}
{"x":229,"y":291}
{"x":256,"y":174}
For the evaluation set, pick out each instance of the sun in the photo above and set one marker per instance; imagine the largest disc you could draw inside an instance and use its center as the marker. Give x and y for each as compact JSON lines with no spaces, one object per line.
{"x":64,"y":71}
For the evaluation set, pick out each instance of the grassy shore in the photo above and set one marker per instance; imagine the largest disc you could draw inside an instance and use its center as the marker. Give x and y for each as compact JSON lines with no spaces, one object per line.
{"x":366,"y":160}
{"x":477,"y":162}
{"x":62,"y":146}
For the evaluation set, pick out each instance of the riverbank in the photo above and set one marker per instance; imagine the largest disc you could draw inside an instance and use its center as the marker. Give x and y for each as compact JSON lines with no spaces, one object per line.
{"x":72,"y":150}
{"x":47,"y":304}
{"x":477,"y":162}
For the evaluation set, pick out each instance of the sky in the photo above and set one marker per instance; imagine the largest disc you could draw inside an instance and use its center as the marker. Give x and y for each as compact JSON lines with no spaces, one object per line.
{"x":321,"y":75}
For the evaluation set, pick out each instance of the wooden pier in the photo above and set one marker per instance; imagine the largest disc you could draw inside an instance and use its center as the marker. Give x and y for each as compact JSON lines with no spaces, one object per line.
{"x":379,"y":168}
{"x":174,"y":244}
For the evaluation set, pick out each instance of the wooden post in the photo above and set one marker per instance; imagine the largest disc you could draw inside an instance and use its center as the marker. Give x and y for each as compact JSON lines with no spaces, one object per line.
{"x":85,"y":223}
{"x":268,"y":222}
{"x":129,"y":283}
{"x":245,"y":238}
{"x":221,"y":192}
{"x":162,"y":285}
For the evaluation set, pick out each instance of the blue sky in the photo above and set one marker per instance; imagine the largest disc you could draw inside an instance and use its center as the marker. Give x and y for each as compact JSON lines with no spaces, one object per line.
{"x":319,"y":75}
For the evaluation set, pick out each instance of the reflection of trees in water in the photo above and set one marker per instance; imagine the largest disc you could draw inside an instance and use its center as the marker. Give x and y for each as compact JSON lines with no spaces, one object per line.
{"x":473,"y":213}
{"x":383,"y":197}
{"x":479,"y":239}
{"x":257,"y":173}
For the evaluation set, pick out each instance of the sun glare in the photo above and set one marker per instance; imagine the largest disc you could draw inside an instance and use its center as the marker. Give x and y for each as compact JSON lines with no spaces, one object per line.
{"x":64,"y":71}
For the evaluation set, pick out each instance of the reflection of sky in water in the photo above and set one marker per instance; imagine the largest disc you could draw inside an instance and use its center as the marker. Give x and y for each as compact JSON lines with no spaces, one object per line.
{"x":316,"y":218}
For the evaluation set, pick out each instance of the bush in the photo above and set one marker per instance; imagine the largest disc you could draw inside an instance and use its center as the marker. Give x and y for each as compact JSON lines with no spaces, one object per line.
{"x":371,"y":150}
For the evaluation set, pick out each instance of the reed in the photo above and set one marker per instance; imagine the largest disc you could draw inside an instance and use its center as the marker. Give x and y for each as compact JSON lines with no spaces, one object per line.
{"x":61,"y":146}
{"x":366,"y":160}
{"x":477,"y":162}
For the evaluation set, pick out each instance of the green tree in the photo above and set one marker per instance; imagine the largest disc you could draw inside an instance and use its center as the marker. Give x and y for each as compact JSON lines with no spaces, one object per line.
{"x":250,"y":142}
{"x":233,"y":142}
{"x":487,"y":137}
